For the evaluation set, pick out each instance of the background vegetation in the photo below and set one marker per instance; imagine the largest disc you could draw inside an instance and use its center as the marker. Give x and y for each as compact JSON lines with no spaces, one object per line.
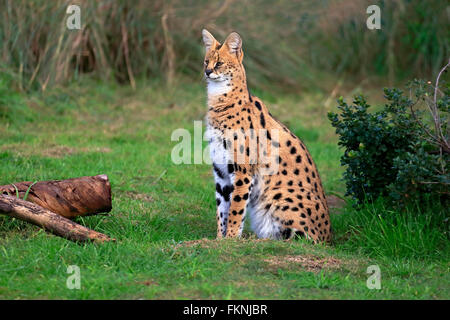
{"x":292,"y":44}
{"x":106,"y":99}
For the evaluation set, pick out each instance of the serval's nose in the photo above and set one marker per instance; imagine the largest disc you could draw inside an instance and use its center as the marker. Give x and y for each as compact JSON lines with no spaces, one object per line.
{"x":208,"y":72}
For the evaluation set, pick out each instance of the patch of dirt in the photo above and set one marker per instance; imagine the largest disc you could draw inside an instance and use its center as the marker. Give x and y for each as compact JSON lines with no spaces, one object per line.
{"x":309,"y":262}
{"x":50,"y":151}
{"x":148,"y":283}
{"x":138,"y":196}
{"x":62,"y":151}
{"x":212,"y":243}
{"x":204,"y":243}
{"x":215,"y":243}
{"x":58,"y":152}
{"x":335,"y":202}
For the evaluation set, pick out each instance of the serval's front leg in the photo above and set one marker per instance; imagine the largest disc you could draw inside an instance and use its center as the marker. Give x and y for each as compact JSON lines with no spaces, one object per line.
{"x":224,"y":189}
{"x":239,"y":200}
{"x":220,"y":228}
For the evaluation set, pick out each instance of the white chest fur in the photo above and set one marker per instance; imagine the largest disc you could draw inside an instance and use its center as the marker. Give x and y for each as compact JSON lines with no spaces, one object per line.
{"x":217,"y":88}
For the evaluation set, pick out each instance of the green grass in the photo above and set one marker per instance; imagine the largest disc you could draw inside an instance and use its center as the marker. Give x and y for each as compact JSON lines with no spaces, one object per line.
{"x":383,"y":232}
{"x":159,"y":208}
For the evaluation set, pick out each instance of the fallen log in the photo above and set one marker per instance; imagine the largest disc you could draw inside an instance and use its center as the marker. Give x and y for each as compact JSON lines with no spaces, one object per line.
{"x":69,"y":198}
{"x":56,"y":224}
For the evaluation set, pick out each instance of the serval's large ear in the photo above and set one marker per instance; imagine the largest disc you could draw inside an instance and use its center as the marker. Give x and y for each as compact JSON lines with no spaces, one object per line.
{"x":209,"y":40}
{"x":234,"y":44}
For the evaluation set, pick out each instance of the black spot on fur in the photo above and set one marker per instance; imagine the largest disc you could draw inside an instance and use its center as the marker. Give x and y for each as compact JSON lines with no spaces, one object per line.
{"x":286,"y":233}
{"x":217,"y":170}
{"x":263,"y":121}
{"x":219,"y":189}
{"x":227,"y":190}
{"x":225,"y":108}
{"x":299,"y":234}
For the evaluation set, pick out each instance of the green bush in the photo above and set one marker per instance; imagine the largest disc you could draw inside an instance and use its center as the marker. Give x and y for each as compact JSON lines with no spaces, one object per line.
{"x":400,"y":152}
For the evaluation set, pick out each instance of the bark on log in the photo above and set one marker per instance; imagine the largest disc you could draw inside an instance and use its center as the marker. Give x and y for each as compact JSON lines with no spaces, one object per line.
{"x":48,"y":220}
{"x":69,"y":198}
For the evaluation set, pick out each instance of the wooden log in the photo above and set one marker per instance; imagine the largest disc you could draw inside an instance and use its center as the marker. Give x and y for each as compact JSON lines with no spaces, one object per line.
{"x":48,"y":220}
{"x":69,"y":198}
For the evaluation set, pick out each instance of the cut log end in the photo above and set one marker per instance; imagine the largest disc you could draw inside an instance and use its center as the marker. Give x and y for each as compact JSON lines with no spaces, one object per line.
{"x":69,"y":198}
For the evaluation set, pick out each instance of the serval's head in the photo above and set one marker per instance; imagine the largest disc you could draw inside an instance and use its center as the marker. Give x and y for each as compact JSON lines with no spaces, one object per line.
{"x":223,"y":62}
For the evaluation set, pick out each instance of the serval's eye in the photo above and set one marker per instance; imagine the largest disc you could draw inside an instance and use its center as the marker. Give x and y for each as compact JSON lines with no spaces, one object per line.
{"x":206,"y":62}
{"x":218,"y":64}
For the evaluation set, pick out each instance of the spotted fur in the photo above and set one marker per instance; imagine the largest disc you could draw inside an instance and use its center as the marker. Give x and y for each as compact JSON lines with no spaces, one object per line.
{"x":283,"y":196}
